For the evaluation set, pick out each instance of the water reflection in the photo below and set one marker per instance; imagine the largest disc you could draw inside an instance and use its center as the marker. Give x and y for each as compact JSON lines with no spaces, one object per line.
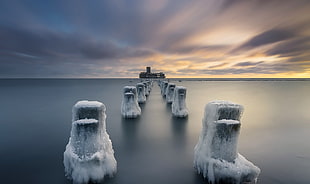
{"x":130,"y":131}
{"x":179,"y":126}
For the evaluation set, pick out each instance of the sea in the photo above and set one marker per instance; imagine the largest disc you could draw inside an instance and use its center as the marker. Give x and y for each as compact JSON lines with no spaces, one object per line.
{"x":36,"y":117}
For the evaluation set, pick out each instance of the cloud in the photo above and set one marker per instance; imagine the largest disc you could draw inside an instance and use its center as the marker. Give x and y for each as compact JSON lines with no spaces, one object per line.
{"x":79,"y":38}
{"x":248,"y":63}
{"x":58,"y":45}
{"x":267,"y":37}
{"x":292,"y":48}
{"x":261,"y":69}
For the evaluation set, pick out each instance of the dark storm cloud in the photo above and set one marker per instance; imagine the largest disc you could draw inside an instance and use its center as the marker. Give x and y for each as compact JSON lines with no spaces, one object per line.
{"x":194,"y":48}
{"x":248,"y":63}
{"x":267,"y":37}
{"x":261,"y":69}
{"x":46,"y":44}
{"x":42,"y":53}
{"x":228,"y":71}
{"x":293,"y":48}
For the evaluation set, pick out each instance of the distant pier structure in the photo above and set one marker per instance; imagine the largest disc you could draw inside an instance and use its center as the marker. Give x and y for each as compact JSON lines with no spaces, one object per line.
{"x":149,"y":74}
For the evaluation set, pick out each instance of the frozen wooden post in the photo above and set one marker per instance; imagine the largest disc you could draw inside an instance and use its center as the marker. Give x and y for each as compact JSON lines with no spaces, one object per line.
{"x":163,"y":88}
{"x":89,"y":155}
{"x":179,"y":108}
{"x":146,"y":88}
{"x":169,"y":92}
{"x":216,"y":154}
{"x":141,"y":92}
{"x":130,"y":107}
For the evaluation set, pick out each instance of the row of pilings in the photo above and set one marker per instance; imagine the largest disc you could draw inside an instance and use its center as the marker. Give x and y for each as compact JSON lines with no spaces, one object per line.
{"x":89,"y":155}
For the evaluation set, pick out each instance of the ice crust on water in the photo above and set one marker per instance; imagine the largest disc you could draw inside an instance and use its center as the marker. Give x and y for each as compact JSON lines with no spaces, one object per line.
{"x":89,"y":155}
{"x":169,"y":92}
{"x":141,"y":92}
{"x":179,"y":108}
{"x":216,"y":155}
{"x":130,"y":107}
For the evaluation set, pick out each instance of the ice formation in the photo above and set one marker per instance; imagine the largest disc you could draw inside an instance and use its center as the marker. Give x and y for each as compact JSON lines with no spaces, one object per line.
{"x":150,"y":84}
{"x":179,"y":108}
{"x":146,"y":88}
{"x":216,"y":155}
{"x":89,"y":155}
{"x":169,"y":92}
{"x":141,"y":92}
{"x":130,"y":107}
{"x":163,"y":88}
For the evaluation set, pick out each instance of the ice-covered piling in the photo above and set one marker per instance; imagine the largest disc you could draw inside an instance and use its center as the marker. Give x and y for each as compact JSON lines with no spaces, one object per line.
{"x":146,"y":88}
{"x":141,"y":92}
{"x":89,"y":155}
{"x":130,"y":107}
{"x":169,"y":92}
{"x":179,"y":108}
{"x":216,"y":155}
{"x":150,"y":85}
{"x":163,"y":88}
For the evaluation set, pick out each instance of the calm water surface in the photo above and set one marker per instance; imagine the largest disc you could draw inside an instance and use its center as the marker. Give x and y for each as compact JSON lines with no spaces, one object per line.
{"x":155,"y":148}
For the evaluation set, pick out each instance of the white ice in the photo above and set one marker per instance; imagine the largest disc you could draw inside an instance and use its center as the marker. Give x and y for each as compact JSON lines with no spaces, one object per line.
{"x":216,"y":155}
{"x":130,"y":107}
{"x":179,"y":108}
{"x":89,"y":155}
{"x":141,"y":92}
{"x":163,"y":88}
{"x":146,"y":88}
{"x":169,"y":92}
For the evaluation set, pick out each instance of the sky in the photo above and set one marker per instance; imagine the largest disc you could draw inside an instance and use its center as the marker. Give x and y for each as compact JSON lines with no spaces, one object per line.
{"x":119,"y":38}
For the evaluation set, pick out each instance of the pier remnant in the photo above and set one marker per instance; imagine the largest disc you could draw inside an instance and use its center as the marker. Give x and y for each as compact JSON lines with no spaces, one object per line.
{"x":163,"y":88}
{"x":216,"y":155}
{"x":169,"y":92}
{"x":141,"y":92}
{"x":179,"y":108}
{"x":130,"y":107}
{"x":89,"y":155}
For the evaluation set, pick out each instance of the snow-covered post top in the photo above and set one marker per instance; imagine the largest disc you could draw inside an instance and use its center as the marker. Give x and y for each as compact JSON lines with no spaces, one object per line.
{"x":218,"y":110}
{"x":89,"y":110}
{"x":131,"y":89}
{"x":223,"y":118}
